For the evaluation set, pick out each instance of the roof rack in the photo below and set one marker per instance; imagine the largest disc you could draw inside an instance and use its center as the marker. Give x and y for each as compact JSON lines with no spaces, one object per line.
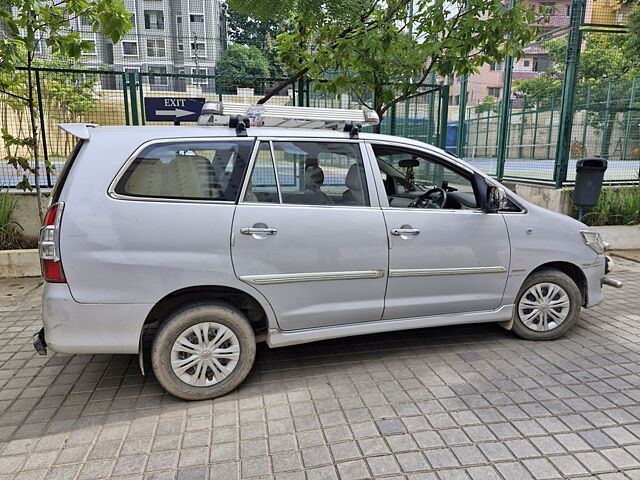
{"x":242,"y":116}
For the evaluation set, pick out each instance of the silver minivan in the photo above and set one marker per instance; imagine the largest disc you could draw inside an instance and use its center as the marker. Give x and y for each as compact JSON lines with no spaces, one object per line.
{"x":193,"y":243}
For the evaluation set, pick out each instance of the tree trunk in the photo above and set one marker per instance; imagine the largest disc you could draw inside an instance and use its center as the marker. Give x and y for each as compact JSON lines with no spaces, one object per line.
{"x":34,"y":135}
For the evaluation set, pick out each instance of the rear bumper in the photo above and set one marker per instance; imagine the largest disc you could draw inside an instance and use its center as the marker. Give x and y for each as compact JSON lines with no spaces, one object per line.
{"x":72,"y":327}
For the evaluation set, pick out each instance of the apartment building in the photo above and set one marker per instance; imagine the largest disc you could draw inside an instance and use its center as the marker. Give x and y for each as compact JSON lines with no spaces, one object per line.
{"x":168,"y":36}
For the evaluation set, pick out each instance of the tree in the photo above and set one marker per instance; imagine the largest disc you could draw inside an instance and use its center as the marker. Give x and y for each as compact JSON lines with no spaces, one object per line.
{"x":632,"y":47}
{"x":489,"y":104}
{"x":28,"y":25}
{"x":243,"y":29}
{"x":388,"y":49}
{"x":240,"y":66}
{"x":605,"y":70}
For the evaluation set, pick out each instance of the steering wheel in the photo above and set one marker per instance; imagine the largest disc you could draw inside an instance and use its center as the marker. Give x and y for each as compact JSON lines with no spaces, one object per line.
{"x":428,"y":200}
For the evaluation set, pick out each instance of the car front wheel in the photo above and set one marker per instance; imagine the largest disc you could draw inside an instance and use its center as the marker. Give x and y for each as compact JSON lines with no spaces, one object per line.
{"x":547,"y":305}
{"x":203,"y":350}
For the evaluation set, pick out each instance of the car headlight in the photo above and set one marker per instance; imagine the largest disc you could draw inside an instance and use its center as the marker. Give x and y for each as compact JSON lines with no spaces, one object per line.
{"x":594,"y":240}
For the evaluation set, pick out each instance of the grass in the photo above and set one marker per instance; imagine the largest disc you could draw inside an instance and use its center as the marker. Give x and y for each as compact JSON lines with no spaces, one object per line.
{"x":10,"y":230}
{"x":616,"y":206}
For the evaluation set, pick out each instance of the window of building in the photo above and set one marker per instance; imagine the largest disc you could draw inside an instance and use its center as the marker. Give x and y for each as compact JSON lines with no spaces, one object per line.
{"x":309,"y":173}
{"x":188,"y":170}
{"x":199,"y":71}
{"x":526,"y":63}
{"x":496,"y":67}
{"x":198,"y":48}
{"x":181,"y":47}
{"x":158,"y":81}
{"x":155,"y":48}
{"x":84,"y":21}
{"x":196,"y":18}
{"x":493,"y":91}
{"x":132,"y":19}
{"x":130,"y":48}
{"x":154,"y":19}
{"x":179,"y":19}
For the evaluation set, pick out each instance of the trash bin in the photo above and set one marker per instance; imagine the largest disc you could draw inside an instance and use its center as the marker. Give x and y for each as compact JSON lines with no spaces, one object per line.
{"x":589,"y":175}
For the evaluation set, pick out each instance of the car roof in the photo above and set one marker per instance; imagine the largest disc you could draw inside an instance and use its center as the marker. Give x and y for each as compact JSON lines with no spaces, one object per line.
{"x":146,"y":133}
{"x":153,"y":132}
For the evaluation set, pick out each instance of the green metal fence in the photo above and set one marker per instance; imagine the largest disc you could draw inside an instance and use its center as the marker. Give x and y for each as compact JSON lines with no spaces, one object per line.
{"x":586,"y":104}
{"x":118,"y":98}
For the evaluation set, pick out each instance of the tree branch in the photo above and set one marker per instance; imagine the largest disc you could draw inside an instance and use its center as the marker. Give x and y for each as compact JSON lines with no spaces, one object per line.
{"x":283,"y":84}
{"x":302,"y":72}
{"x":24,"y":99}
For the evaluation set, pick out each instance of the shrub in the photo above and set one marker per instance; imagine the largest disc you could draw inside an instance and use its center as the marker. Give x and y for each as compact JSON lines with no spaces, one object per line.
{"x":616,"y":206}
{"x":10,"y":230}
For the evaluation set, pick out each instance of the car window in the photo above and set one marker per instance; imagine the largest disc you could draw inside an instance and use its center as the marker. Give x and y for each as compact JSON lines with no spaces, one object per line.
{"x":262,"y":186}
{"x":309,"y":173}
{"x":407,"y":174}
{"x":200,"y":170}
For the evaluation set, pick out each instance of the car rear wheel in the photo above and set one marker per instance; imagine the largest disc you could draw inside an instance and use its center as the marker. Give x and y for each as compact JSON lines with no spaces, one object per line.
{"x":203,"y":350}
{"x":547,"y":305}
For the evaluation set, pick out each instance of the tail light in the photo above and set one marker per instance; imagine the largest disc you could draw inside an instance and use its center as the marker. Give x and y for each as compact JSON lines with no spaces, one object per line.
{"x":49,"y":245}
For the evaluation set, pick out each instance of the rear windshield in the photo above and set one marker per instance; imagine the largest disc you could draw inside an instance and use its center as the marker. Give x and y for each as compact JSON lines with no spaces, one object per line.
{"x":64,"y":173}
{"x":196,"y":170}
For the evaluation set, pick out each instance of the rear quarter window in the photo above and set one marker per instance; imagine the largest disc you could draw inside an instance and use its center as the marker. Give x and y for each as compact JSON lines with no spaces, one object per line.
{"x":193,"y":170}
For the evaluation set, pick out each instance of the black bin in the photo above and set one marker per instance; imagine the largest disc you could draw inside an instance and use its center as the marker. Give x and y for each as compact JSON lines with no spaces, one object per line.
{"x":589,"y":175}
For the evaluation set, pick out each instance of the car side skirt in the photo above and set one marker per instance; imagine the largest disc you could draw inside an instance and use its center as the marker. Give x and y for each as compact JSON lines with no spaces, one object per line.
{"x":278,"y":338}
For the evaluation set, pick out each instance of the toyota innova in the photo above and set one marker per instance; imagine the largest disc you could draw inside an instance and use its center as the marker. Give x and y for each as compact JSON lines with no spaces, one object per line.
{"x":222,"y":236}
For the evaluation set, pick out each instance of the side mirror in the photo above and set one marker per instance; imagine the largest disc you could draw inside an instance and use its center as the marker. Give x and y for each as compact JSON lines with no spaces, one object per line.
{"x":496,"y":199}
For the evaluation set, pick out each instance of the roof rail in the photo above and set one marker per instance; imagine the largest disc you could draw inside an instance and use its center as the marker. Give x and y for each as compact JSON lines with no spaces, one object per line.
{"x":242,"y":116}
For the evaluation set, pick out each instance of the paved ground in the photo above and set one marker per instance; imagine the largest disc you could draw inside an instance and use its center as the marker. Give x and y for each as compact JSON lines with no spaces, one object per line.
{"x":454,"y":402}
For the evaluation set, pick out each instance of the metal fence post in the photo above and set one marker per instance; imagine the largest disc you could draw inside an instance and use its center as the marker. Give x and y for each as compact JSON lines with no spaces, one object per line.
{"x":125,"y":99}
{"x":627,"y":128}
{"x":550,"y":133}
{"x":523,"y":119}
{"x":140,"y":88}
{"x":45,"y":151}
{"x":133,"y":97}
{"x":569,"y":93}
{"x":460,"y":137}
{"x":431,"y":125}
{"x":444,"y":116}
{"x":503,"y":125}
{"x":607,"y":112}
{"x":534,"y":141}
{"x":392,"y":120}
{"x":586,"y":124}
{"x":504,"y":112}
{"x":300,"y":92}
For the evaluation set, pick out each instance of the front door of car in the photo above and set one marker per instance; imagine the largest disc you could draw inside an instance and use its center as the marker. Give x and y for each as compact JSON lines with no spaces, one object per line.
{"x":305,"y":234}
{"x":446,"y":256}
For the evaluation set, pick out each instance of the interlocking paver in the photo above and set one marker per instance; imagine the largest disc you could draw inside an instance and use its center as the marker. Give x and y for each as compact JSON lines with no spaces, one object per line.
{"x":452,"y":402}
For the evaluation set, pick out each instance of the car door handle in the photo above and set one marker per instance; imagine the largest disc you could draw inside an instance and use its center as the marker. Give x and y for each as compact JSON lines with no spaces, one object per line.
{"x":258,"y":231}
{"x":405,"y":231}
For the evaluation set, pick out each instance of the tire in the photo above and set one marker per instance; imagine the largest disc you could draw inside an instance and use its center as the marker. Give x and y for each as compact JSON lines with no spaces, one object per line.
{"x":556,"y":288}
{"x":203,"y":370}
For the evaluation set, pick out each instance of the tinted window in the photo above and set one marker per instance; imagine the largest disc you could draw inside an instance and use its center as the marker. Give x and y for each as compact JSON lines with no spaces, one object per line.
{"x":188,"y":170}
